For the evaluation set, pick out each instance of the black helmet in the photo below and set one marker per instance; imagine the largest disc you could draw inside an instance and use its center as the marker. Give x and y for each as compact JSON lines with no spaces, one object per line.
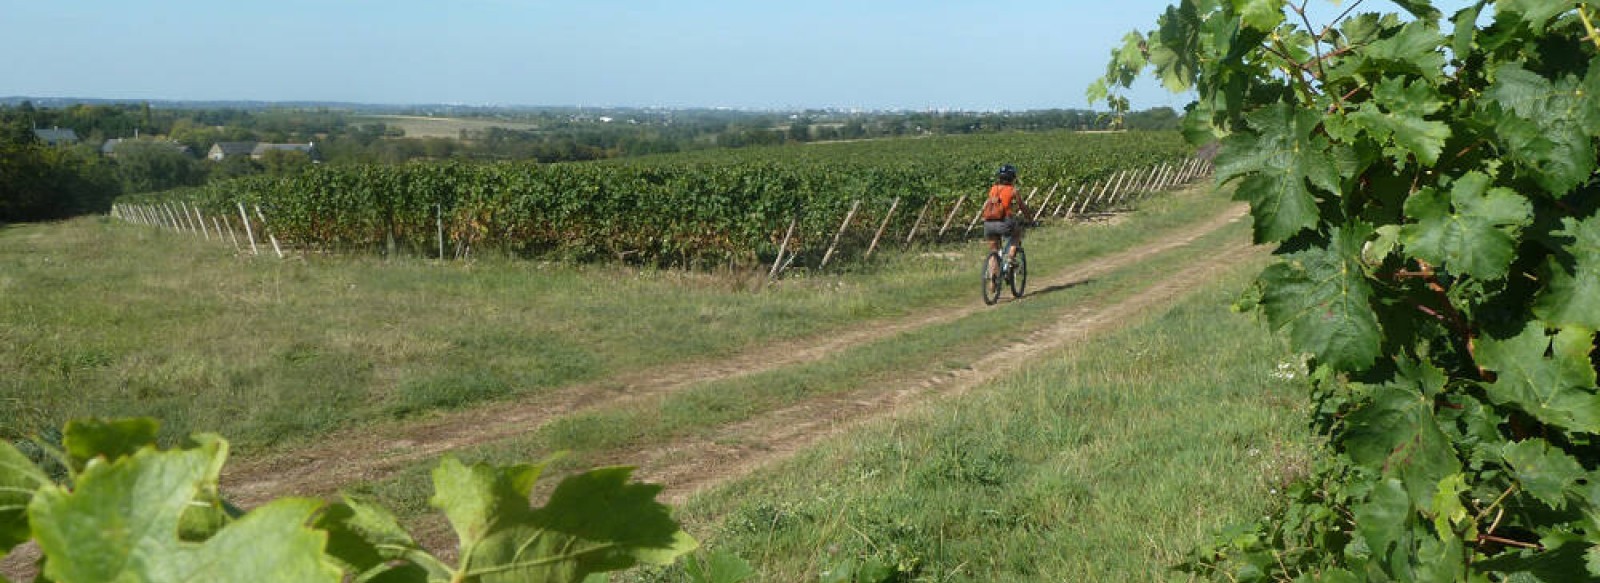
{"x":1007,"y":173}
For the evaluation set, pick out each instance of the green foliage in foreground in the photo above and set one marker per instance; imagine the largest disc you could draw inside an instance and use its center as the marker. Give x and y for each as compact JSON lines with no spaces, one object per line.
{"x":1433,"y":197}
{"x":131,"y":512}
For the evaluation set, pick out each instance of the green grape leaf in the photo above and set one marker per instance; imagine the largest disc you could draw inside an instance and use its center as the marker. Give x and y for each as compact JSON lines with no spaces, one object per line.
{"x":87,"y":439}
{"x":1591,"y":560}
{"x":1535,"y":13}
{"x":1422,"y":9}
{"x":369,"y":542}
{"x":1324,"y":299}
{"x":1472,"y":231}
{"x":476,"y":499}
{"x":1558,"y":389}
{"x":1544,"y":471}
{"x":1413,"y":49}
{"x":1262,"y":15}
{"x":19,"y":479}
{"x":1382,"y":518}
{"x":1572,"y":296}
{"x":1448,"y":510}
{"x":121,"y":521}
{"x":1546,"y":126}
{"x":1171,"y":47}
{"x":594,"y":522}
{"x":1397,"y":435}
{"x":1396,"y":115}
{"x":1278,"y":161}
{"x":1465,"y":29}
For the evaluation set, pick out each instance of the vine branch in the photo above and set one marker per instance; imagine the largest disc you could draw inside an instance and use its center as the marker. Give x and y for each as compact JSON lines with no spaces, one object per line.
{"x":1589,"y":26}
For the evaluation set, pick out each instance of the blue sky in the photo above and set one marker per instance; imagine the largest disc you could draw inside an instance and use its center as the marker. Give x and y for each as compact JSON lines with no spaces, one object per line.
{"x":752,"y":54}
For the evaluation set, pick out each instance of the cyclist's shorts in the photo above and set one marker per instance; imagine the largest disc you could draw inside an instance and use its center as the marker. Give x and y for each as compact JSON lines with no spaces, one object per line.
{"x":998,"y":228}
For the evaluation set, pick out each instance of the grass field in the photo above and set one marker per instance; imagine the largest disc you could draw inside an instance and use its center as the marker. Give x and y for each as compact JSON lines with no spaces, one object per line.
{"x":1099,"y":461}
{"x":439,"y":127}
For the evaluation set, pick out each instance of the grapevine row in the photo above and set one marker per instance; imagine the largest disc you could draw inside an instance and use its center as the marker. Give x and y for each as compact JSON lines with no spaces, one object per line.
{"x":733,"y":205}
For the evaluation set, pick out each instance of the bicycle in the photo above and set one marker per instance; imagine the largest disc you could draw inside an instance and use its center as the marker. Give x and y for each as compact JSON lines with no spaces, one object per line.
{"x":997,"y":270}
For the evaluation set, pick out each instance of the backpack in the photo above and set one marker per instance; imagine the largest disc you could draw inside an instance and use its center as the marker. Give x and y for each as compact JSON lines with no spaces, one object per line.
{"x":994,"y":209}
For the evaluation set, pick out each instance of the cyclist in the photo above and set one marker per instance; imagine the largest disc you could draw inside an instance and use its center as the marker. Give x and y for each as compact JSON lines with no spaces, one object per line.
{"x":1010,"y":217}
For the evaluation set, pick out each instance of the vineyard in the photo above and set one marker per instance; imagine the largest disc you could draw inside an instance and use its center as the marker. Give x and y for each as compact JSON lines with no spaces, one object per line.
{"x":736,"y":206}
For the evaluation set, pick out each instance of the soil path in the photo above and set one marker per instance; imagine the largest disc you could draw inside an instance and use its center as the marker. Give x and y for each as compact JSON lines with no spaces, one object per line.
{"x":372,"y":452}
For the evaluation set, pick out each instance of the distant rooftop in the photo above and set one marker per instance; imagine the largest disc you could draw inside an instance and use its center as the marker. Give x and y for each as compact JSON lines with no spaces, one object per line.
{"x":56,"y":136}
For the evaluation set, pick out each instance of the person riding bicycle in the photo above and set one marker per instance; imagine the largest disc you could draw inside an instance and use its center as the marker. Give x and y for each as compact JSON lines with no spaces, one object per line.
{"x":1004,"y":213}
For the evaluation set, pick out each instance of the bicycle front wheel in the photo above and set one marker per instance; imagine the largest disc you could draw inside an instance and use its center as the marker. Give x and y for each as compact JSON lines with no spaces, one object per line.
{"x":1019,"y":275}
{"x":991,"y":279}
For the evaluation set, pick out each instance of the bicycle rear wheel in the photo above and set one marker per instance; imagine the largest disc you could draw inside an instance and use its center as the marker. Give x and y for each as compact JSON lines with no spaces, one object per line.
{"x":991,"y":278}
{"x":1018,"y":277}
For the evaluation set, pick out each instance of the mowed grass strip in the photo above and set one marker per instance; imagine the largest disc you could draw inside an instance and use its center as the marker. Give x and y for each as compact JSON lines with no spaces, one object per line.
{"x":1108,"y":461}
{"x":611,"y":434}
{"x":101,"y":318}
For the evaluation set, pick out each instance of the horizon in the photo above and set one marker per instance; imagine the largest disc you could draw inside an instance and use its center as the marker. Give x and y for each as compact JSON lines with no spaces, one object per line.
{"x":53,"y":101}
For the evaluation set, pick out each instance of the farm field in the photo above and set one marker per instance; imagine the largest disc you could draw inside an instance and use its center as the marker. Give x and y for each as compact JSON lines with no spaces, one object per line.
{"x":439,"y":127}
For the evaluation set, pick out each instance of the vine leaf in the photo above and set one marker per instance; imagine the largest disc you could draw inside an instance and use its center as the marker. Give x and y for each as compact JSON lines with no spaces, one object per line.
{"x":1397,"y":435}
{"x":1547,"y":126}
{"x":594,"y":522}
{"x":1412,"y":49}
{"x":1535,"y":13}
{"x":1556,"y":389}
{"x":370,"y":543}
{"x":1322,"y":296}
{"x":121,"y":521}
{"x":19,"y":479}
{"x":1278,"y":161}
{"x":1381,"y":520}
{"x":1472,"y":230}
{"x":1397,"y":115}
{"x":1545,"y":472}
{"x":1572,"y":296}
{"x":1262,"y":15}
{"x":109,"y":439}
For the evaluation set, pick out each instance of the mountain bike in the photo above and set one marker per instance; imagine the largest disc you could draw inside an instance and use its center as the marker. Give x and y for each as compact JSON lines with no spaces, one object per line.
{"x":997,"y":272}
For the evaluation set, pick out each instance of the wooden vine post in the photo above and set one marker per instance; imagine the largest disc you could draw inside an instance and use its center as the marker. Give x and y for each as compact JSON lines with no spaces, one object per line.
{"x":268,"y":230}
{"x":778,"y":261}
{"x":842,"y":226}
{"x":248,"y":233}
{"x":952,"y":214}
{"x":1046,"y":204}
{"x":920,"y":214}
{"x":881,"y":226}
